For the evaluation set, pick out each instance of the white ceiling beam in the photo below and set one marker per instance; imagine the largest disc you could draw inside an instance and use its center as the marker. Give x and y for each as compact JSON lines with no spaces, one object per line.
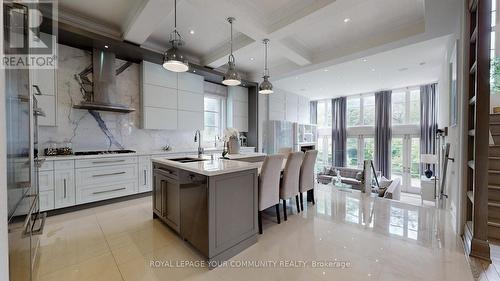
{"x":255,"y":30}
{"x":146,"y":19}
{"x":219,"y":57}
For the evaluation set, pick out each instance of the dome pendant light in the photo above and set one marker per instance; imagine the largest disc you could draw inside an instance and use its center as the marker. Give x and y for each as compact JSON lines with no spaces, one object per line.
{"x":266,"y":87}
{"x":173,"y":60}
{"x":232,"y":77}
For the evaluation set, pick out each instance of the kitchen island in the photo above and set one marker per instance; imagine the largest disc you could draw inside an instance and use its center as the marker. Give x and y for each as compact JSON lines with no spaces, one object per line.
{"x":210,"y":203}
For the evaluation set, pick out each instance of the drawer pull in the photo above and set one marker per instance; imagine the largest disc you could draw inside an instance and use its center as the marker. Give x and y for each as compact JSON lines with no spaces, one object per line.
{"x":110,"y":174}
{"x":64,"y":188}
{"x":108,"y":161}
{"x":145,"y":180}
{"x":111,"y":190}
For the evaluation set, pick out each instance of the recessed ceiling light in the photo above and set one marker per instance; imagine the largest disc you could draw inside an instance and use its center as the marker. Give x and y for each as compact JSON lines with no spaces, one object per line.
{"x":191,"y":31}
{"x":252,"y":58}
{"x":106,"y":46}
{"x":346,"y":20}
{"x":296,"y":77}
{"x":325,"y":70}
{"x":373,"y":69}
{"x":194,"y":70}
{"x":365,"y":60}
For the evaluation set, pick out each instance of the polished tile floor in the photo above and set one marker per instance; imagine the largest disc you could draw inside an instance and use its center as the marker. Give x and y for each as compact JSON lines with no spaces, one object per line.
{"x":356,"y":237}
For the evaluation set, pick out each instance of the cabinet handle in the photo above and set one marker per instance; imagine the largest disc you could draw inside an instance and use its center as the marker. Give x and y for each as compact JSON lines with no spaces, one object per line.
{"x":108,"y":161}
{"x":145,"y":177}
{"x":110,"y":174}
{"x":64,"y":181}
{"x":111,"y":190}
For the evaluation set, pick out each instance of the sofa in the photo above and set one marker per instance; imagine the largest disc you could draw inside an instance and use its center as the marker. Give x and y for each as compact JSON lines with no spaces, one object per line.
{"x":393,"y":191}
{"x":349,"y":176}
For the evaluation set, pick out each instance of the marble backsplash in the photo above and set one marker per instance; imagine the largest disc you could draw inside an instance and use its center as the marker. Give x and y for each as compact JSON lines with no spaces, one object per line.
{"x":84,"y":129}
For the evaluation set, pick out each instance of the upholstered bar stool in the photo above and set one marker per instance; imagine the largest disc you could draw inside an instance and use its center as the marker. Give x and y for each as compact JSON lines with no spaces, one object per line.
{"x":289,"y":185}
{"x":306,"y":181}
{"x":269,"y":185}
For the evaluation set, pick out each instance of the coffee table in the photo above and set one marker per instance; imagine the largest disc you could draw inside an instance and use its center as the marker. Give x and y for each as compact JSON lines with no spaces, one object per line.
{"x":342,"y":185}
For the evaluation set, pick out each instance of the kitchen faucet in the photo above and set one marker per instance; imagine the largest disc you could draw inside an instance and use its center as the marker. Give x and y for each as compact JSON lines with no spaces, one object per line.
{"x":197,"y":138}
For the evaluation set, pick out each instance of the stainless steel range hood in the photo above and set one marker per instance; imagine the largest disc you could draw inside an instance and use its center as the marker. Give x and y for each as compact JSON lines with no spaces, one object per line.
{"x":103,"y":96}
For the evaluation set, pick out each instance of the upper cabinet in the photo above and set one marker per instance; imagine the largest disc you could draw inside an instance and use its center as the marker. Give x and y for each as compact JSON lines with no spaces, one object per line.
{"x":155,"y":74}
{"x":44,"y":83}
{"x":277,"y":106}
{"x":289,"y":107}
{"x":237,"y":108}
{"x":304,"y":110}
{"x":170,"y":101}
{"x":292,"y":108}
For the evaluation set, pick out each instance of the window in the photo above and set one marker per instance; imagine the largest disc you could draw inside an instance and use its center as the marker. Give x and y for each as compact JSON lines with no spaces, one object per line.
{"x":405,"y":162}
{"x":360,"y":129}
{"x":353,"y":111}
{"x":406,"y":106}
{"x":352,"y":152}
{"x":324,"y":144}
{"x":361,"y":110}
{"x":214,"y":119}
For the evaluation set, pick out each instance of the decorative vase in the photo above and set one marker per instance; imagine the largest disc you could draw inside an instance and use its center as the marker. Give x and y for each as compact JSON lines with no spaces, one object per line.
{"x":428,"y":173}
{"x":233,"y":146}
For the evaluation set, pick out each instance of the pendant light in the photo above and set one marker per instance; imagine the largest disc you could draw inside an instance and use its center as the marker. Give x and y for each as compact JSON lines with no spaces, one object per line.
{"x":232,"y":77}
{"x":266,"y":87}
{"x":173,"y":60}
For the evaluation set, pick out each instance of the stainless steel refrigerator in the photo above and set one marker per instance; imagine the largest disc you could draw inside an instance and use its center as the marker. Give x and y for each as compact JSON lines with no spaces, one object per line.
{"x":24,"y":219}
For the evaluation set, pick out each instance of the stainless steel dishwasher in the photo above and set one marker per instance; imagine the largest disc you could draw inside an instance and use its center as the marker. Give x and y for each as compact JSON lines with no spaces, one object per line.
{"x":194,"y":210}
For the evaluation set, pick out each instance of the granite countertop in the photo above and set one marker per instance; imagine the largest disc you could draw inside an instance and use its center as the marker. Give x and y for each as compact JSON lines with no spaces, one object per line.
{"x":152,"y":153}
{"x":214,"y":167}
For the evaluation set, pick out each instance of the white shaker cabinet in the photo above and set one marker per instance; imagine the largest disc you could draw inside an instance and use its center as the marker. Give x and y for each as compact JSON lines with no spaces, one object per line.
{"x":237,"y":108}
{"x":304,"y":110}
{"x":171,"y":101}
{"x":64,"y":184}
{"x":144,"y":173}
{"x":46,"y":188}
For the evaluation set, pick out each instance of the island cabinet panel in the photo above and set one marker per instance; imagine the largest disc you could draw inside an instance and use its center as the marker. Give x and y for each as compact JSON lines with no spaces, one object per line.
{"x":233,"y":207}
{"x":166,"y":196}
{"x":217,"y":212}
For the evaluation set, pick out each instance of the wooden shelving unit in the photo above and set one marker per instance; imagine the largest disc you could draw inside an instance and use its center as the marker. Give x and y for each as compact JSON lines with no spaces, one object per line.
{"x":478,"y":62}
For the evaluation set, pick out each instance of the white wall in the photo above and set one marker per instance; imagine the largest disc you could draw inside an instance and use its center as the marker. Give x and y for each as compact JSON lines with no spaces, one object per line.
{"x":455,"y":176}
{"x":4,"y":253}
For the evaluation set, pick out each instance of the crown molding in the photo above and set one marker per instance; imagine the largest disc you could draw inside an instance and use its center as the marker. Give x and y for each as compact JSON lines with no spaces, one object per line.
{"x":83,"y":22}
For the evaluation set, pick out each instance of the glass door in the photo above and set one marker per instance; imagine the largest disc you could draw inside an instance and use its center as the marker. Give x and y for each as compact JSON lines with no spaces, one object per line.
{"x":405,"y":162}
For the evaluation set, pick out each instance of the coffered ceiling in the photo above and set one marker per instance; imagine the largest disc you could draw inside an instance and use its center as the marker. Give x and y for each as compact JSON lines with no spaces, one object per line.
{"x":305,"y":35}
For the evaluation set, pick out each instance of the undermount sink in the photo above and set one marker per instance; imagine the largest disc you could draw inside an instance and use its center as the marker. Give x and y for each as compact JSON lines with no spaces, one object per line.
{"x":187,"y":159}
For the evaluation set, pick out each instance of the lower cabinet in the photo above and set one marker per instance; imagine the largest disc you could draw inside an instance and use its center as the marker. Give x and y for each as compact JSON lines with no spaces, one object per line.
{"x":64,"y":188}
{"x":46,"y":200}
{"x":144,"y":173}
{"x":166,"y":189}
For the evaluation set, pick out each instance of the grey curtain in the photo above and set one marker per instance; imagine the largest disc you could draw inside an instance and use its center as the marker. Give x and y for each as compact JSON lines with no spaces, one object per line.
{"x":383,"y":132}
{"x":428,"y":122}
{"x":339,"y":132}
{"x":314,"y":112}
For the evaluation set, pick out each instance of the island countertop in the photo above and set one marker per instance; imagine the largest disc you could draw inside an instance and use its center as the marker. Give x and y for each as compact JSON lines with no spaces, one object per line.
{"x":209,"y":167}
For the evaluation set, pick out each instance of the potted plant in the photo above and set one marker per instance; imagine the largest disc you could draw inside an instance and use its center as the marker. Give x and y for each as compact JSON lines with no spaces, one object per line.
{"x":231,"y":136}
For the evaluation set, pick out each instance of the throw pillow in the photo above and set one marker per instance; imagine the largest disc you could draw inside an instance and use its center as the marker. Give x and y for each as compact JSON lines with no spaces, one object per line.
{"x":384,"y":184}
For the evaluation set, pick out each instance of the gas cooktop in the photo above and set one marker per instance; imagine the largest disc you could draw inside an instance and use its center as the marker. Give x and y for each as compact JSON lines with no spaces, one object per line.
{"x":100,"y":152}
